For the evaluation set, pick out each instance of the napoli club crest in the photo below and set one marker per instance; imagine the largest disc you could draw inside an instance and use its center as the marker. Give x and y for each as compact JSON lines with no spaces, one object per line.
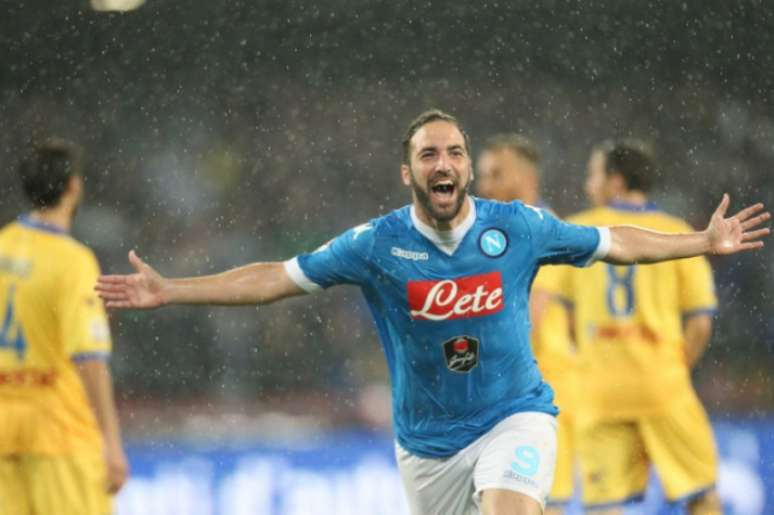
{"x":461,"y":353}
{"x":493,"y":242}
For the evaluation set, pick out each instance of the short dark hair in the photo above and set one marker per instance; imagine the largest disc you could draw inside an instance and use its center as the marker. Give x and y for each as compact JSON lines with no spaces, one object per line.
{"x":604,"y":147}
{"x":517,"y":143}
{"x":432,"y":115}
{"x":632,"y":160}
{"x":46,"y":169}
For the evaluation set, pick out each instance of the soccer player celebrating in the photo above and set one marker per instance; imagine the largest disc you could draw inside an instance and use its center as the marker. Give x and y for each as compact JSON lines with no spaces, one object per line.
{"x":508,"y":169}
{"x":447,"y":281}
{"x":639,"y":331}
{"x":60,"y":445}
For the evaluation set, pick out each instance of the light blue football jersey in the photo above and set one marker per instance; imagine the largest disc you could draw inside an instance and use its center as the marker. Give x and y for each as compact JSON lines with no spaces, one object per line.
{"x":452,"y":312}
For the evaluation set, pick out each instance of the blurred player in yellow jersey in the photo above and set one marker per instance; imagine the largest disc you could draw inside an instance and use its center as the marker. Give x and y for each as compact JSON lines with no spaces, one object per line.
{"x":639,"y":330}
{"x":60,"y":446}
{"x":508,"y":169}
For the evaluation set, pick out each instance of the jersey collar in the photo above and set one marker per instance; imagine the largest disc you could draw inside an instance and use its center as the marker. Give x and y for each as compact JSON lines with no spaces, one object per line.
{"x":446,"y":241}
{"x":26,"y":221}
{"x":625,"y":206}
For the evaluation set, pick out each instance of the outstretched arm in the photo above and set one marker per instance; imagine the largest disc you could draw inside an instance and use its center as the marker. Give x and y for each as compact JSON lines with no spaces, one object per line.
{"x":256,"y":283}
{"x":737,"y":233}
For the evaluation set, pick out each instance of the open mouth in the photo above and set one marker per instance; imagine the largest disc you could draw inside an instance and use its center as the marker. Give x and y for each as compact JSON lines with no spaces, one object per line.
{"x":443,"y":190}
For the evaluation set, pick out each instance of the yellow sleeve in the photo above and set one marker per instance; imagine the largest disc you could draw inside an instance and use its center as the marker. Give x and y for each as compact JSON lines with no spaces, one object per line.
{"x":697,"y":287}
{"x":555,"y":280}
{"x":84,"y":326}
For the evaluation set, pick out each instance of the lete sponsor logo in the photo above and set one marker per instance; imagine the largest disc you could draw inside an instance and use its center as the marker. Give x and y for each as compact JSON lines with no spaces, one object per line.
{"x":463,"y":297}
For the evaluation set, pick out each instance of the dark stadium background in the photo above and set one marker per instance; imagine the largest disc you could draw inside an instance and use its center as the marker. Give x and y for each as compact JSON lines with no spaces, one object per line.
{"x":223,"y":132}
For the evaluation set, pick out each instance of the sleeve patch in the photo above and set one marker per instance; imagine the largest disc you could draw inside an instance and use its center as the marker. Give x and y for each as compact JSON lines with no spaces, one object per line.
{"x":99,"y":330}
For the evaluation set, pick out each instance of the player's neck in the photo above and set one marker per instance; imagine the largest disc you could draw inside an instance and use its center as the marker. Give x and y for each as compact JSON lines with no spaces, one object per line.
{"x":60,"y":217}
{"x":530,"y":196}
{"x":634,"y":198}
{"x":447,"y":225}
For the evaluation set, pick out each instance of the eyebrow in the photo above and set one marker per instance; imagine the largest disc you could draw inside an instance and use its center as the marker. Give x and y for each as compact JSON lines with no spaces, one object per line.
{"x":455,"y":146}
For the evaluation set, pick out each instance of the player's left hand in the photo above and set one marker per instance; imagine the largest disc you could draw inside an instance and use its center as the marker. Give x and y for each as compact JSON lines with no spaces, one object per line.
{"x":735,"y":233}
{"x":141,"y":290}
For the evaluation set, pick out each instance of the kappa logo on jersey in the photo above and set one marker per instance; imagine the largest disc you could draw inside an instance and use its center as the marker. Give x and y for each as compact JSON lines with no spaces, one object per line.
{"x":449,"y":299}
{"x":461,"y":353}
{"x":493,"y":242}
{"x":409,"y":254}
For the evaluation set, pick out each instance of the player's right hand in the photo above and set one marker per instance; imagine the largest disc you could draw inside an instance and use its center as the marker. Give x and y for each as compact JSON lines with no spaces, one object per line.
{"x":139,"y":290}
{"x":117,"y":468}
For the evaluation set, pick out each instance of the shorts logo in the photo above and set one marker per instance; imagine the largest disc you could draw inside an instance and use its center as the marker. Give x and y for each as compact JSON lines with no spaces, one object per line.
{"x":493,"y":242}
{"x":461,"y":353}
{"x":527,"y":461}
{"x":449,"y":299}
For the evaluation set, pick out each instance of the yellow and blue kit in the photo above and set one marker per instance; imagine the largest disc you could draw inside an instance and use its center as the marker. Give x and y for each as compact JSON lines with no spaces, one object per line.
{"x":555,"y":355}
{"x":637,"y":403}
{"x":50,"y":318}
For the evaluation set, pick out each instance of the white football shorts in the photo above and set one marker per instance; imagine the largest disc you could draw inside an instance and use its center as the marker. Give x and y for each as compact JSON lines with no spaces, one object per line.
{"x":517,"y":454}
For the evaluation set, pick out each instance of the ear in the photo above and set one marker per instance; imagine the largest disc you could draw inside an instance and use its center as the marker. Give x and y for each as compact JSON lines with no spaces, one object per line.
{"x":405,"y":174}
{"x":616,"y":184}
{"x":532,"y":177}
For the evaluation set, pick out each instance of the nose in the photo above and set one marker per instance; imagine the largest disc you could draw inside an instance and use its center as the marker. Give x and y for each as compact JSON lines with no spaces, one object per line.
{"x":443,"y":163}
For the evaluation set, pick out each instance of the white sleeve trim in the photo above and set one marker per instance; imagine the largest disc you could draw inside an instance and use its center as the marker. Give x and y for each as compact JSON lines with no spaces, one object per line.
{"x":603,"y":247}
{"x":298,"y":276}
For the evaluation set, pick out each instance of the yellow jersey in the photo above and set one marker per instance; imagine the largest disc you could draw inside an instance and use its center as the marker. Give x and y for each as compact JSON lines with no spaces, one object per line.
{"x":552,"y":345}
{"x":628,"y":320}
{"x":50,"y":317}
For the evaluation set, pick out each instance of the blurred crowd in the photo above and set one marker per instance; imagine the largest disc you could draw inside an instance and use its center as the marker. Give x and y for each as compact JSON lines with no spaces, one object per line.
{"x":218,"y":133}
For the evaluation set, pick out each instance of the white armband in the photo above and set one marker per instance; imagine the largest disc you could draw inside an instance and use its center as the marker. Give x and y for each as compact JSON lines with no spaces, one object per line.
{"x":298,"y":276}
{"x":603,"y":246}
